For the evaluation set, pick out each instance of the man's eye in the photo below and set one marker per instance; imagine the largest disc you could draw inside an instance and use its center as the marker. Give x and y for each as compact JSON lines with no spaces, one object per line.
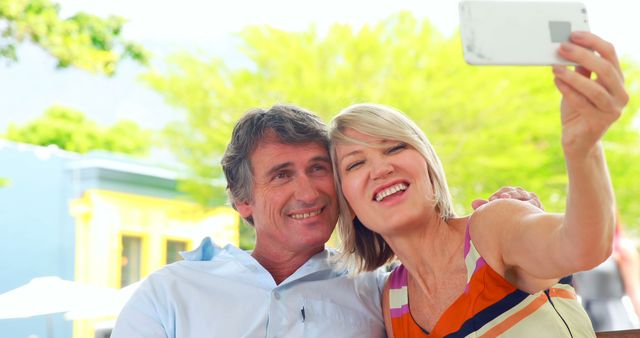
{"x":397,"y":148}
{"x":354,"y":165}
{"x":281,"y":175}
{"x":318,"y":168}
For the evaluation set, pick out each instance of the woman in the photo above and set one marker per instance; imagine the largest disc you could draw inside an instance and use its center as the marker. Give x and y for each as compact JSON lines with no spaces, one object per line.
{"x":500,"y":270}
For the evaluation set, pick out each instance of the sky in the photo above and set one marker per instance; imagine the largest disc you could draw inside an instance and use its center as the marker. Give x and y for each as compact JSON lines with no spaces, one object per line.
{"x":164,"y":27}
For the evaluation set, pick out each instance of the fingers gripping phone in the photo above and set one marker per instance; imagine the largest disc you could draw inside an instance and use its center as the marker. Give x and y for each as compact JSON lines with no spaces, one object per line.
{"x":518,"y":32}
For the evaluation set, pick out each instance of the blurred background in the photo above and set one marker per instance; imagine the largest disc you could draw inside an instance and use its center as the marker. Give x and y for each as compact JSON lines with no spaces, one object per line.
{"x":114,"y":116}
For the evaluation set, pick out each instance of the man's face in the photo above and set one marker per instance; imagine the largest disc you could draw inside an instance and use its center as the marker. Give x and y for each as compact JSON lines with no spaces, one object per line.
{"x":294,"y":204}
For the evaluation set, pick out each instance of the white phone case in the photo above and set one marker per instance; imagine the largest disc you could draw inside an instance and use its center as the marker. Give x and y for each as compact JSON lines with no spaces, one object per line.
{"x":518,"y":32}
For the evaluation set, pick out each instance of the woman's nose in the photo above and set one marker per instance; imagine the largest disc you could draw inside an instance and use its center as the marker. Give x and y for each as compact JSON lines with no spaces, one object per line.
{"x":381,"y":169}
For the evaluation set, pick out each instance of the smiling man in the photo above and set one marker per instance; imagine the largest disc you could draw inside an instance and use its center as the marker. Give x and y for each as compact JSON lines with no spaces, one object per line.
{"x":280,"y":180}
{"x":293,"y":205}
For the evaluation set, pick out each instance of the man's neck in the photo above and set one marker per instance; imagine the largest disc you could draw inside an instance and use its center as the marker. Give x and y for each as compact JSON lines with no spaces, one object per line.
{"x":280,"y":263}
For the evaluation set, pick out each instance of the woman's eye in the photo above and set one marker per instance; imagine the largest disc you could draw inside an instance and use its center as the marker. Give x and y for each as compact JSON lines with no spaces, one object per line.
{"x":354,"y":165}
{"x":398,"y":147}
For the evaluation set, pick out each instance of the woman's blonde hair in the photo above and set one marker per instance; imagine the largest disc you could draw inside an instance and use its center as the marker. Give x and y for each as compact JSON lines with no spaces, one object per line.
{"x":361,"y":248}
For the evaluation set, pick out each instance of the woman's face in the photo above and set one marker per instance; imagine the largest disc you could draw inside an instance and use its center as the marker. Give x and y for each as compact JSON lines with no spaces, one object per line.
{"x":386,"y":183}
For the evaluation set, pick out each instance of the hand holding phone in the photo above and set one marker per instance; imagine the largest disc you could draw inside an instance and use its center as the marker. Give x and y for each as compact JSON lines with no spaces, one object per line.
{"x":518,"y":32}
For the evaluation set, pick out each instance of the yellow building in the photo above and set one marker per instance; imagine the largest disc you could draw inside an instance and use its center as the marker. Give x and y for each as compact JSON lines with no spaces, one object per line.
{"x":96,"y":218}
{"x":122,"y":237}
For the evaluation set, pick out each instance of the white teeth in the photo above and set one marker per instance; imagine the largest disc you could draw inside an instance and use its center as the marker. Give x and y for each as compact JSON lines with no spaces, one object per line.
{"x":306,"y":214}
{"x":391,"y":190}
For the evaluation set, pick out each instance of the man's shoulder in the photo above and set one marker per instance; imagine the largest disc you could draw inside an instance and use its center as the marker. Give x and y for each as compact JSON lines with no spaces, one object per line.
{"x":208,"y":258}
{"x":191,"y":275}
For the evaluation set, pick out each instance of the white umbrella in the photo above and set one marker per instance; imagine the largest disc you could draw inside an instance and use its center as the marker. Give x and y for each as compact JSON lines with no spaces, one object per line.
{"x":47,"y":295}
{"x":108,"y":307}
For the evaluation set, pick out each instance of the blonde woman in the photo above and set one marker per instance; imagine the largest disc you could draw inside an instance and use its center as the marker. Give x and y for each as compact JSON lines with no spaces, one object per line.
{"x":501,"y":270}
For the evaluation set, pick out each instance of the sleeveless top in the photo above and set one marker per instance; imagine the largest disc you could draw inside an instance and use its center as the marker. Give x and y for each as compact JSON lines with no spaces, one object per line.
{"x":490,"y":306}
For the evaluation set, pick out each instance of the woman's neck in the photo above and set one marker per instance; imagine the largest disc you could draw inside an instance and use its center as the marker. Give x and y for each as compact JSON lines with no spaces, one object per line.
{"x":431,"y":249}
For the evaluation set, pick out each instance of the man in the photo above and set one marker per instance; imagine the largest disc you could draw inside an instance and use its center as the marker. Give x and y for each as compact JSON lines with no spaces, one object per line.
{"x":280,"y":180}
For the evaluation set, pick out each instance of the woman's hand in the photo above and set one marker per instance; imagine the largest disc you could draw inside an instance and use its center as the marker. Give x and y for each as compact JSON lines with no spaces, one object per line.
{"x":589,"y":106}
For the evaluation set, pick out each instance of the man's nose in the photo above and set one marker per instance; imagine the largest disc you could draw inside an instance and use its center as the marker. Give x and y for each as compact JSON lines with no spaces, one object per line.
{"x":306,"y":190}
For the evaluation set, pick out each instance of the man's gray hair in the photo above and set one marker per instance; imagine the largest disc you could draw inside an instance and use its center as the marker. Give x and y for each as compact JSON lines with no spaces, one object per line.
{"x":290,"y":124}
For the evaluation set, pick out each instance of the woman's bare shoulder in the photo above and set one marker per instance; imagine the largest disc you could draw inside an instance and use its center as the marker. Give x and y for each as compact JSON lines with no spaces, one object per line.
{"x":491,"y":224}
{"x":501,"y":214}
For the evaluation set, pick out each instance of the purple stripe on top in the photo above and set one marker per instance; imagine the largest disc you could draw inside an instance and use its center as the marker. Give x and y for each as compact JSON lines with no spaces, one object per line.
{"x":479,"y":264}
{"x":398,"y":278}
{"x":467,"y":237}
{"x":399,"y":312}
{"x":467,"y":241}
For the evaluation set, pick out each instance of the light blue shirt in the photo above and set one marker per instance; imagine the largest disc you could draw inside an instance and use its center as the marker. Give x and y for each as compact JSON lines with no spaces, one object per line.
{"x":226,"y":293}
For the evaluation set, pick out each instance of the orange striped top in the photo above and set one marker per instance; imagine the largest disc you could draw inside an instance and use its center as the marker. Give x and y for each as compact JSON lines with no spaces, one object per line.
{"x":490,"y":307}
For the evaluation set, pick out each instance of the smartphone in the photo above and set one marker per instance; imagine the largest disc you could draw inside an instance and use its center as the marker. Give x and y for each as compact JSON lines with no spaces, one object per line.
{"x":518,"y":32}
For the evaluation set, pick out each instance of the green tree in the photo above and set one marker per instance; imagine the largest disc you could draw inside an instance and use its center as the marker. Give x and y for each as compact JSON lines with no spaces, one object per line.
{"x":83,"y":40}
{"x":71,"y":130}
{"x":492,"y":126}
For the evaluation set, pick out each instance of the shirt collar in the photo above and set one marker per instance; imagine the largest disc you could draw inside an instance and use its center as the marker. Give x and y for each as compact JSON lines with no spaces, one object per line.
{"x":204,"y":252}
{"x":319,"y":263}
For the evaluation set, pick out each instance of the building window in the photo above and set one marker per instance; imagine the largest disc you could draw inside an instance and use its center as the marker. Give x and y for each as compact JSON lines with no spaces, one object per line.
{"x":173,"y":250}
{"x":131,"y":260}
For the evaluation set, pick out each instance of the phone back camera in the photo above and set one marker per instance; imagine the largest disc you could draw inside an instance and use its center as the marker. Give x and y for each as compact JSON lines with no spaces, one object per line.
{"x":560,"y":31}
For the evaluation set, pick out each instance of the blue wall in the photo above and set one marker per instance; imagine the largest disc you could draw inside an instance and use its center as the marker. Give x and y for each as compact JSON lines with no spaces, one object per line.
{"x":36,"y":230}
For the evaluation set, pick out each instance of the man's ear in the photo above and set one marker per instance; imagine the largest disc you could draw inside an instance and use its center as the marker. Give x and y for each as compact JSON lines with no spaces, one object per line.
{"x":244,"y":209}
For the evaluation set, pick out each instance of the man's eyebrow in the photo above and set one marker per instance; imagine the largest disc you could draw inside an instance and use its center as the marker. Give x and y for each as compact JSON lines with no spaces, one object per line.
{"x":278,"y":167}
{"x":321,"y":159}
{"x":285,"y":165}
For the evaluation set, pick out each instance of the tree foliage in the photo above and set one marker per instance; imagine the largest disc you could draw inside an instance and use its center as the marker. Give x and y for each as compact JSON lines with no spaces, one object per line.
{"x":492,"y":126}
{"x":71,"y":130}
{"x":83,"y":40}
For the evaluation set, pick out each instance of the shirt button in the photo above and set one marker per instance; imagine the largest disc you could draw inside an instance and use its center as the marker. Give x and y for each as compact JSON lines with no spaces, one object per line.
{"x":276,"y":295}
